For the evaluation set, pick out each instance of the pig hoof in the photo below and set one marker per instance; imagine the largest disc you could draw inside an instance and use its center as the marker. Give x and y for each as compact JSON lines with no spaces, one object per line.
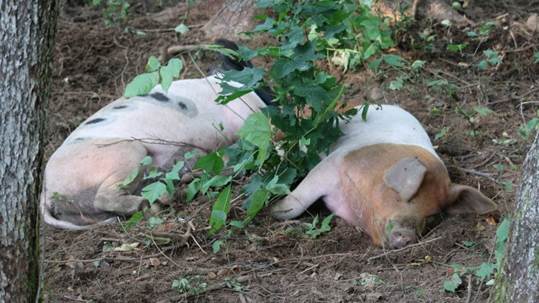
{"x":281,"y":212}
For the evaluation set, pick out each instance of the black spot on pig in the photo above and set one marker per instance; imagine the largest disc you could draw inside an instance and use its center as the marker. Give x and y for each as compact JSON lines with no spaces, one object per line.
{"x":159,"y":97}
{"x":119,"y":106}
{"x":186,"y":106}
{"x":96,"y":120}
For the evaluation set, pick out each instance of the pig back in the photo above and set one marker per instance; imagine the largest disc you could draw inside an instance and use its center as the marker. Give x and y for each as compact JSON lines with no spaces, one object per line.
{"x":385,"y":124}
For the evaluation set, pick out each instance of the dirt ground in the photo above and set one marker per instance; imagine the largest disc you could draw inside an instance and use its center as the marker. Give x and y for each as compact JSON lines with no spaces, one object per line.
{"x":274,"y":261}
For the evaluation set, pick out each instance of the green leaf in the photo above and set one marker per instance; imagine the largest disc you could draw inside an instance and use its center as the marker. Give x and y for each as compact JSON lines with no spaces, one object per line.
{"x":457,"y":48}
{"x":249,"y":77}
{"x":452,"y":284}
{"x":303,"y":144}
{"x":314,"y":231}
{"x":364,"y":111}
{"x":238,"y":83}
{"x":442,"y":133}
{"x":371,"y":50}
{"x":153,"y":64}
{"x":483,"y":111}
{"x":469,"y":244}
{"x":277,"y":189}
{"x":492,"y":57}
{"x":220,"y":210}
{"x":181,"y":29}
{"x":502,"y":234}
{"x":153,"y":222}
{"x":152,"y":192}
{"x":257,"y":131}
{"x":170,"y":72}
{"x":315,"y":95}
{"x":134,"y":220}
{"x":216,"y":181}
{"x":536,"y":57}
{"x":482,"y":65}
{"x":216,"y":246}
{"x":375,"y":64}
{"x":301,"y":61}
{"x":256,"y":202}
{"x":147,"y":160}
{"x":141,"y":84}
{"x":396,"y":84}
{"x":153,"y":173}
{"x":237,"y":93}
{"x":418,"y":65}
{"x":130,"y":178}
{"x":267,"y":25}
{"x":174,"y":173}
{"x":237,"y":224}
{"x":211,"y":163}
{"x":485,"y":270}
{"x":394,"y":60}
{"x":446,"y":23}
{"x":192,"y":190}
{"x":326,"y":223}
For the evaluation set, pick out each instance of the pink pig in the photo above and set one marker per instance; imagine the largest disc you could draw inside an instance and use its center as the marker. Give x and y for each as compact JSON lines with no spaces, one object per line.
{"x":384,"y":176}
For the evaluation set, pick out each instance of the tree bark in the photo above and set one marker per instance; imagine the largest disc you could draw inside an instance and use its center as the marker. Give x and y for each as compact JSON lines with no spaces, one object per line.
{"x":519,"y":280}
{"x":26,"y":37}
{"x":234,"y":17}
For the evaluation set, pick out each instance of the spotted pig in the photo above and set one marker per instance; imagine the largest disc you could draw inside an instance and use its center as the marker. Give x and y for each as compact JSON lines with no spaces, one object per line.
{"x":83,"y":176}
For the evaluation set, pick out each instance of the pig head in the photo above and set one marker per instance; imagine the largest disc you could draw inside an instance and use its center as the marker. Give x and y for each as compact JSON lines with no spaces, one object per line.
{"x":83,"y":177}
{"x":384,"y":177}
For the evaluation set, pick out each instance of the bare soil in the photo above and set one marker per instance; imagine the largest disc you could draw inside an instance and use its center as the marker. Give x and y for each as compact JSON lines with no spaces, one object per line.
{"x":274,"y":261}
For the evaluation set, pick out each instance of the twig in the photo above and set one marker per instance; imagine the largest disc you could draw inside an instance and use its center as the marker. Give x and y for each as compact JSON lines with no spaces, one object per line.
{"x":75,"y":299}
{"x":469,"y":296}
{"x":217,"y":286}
{"x":439,"y":71}
{"x":511,"y":98}
{"x":161,"y":251}
{"x":403,"y":249}
{"x":477,"y":173}
{"x":156,"y":141}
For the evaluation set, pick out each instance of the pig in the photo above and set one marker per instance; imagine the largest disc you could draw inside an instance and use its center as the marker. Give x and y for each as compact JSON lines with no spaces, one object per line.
{"x":383,"y":176}
{"x":83,"y":176}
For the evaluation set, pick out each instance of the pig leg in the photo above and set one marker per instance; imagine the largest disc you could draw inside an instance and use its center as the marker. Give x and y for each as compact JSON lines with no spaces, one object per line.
{"x":82,"y":182}
{"x":317,"y":184}
{"x":111,"y":198}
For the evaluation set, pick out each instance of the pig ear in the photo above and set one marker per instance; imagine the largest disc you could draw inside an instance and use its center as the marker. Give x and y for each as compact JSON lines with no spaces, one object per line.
{"x":465,"y":200}
{"x":405,"y":177}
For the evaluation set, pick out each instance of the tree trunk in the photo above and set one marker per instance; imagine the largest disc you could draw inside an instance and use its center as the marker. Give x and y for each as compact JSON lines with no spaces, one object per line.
{"x":234,"y":17}
{"x":519,"y":281}
{"x":26,"y":37}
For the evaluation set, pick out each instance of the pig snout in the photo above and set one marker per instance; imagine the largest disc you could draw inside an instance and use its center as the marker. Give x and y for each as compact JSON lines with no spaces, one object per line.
{"x":400,"y":238}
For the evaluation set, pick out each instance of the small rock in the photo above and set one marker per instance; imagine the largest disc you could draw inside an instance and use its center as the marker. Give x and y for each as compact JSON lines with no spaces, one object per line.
{"x":373,"y":297}
{"x":155,"y":262}
{"x":532,"y":24}
{"x":375,"y":94}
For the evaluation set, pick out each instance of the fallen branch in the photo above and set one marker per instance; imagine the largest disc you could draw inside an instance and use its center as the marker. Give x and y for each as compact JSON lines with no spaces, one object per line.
{"x":386,"y":253}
